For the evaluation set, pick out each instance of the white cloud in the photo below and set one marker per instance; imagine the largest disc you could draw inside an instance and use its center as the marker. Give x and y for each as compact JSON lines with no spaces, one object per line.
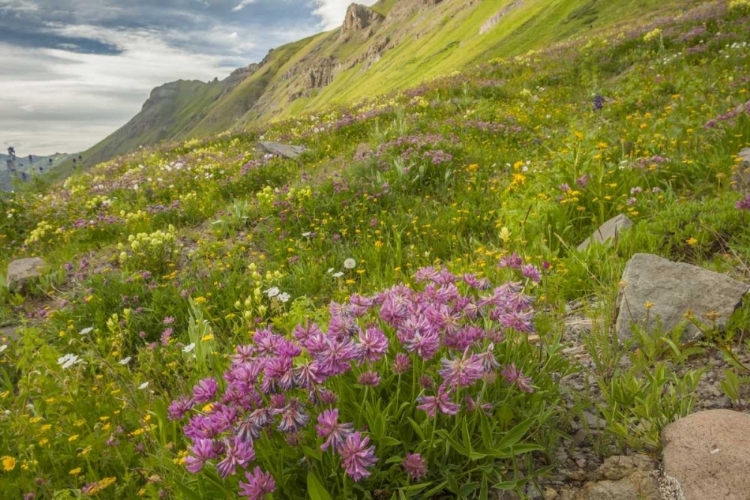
{"x":242,"y":5}
{"x":54,"y":100}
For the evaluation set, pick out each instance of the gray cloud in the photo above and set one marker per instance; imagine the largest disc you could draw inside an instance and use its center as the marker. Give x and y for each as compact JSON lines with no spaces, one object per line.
{"x":76,"y":70}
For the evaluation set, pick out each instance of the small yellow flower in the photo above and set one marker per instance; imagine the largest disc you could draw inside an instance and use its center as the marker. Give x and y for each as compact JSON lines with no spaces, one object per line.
{"x":691,"y":241}
{"x":9,"y":463}
{"x":207,"y":337}
{"x":648,"y":305}
{"x":75,"y":471}
{"x":73,"y":438}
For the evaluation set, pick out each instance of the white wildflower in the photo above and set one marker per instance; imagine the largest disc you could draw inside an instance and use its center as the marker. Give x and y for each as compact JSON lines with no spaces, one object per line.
{"x":68,"y":360}
{"x":86,"y":331}
{"x":284,"y":297}
{"x":350,"y":264}
{"x":125,"y":361}
{"x":143,"y":385}
{"x":338,"y":274}
{"x":189,"y":347}
{"x":272,"y":292}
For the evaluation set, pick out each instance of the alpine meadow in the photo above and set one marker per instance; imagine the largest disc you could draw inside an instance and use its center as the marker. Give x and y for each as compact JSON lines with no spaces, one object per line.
{"x":481,"y":249}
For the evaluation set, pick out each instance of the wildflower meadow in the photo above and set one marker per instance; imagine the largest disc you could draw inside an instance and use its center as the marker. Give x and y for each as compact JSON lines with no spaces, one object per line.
{"x":383,"y":317}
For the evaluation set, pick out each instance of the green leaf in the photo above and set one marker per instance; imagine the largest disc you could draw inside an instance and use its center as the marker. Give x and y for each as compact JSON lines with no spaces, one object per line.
{"x":515,"y":434}
{"x":467,"y":489}
{"x":519,"y":449}
{"x":417,"y":428}
{"x":437,"y":489}
{"x":187,"y":491}
{"x":389,"y":441}
{"x":466,"y":435}
{"x":453,"y":442}
{"x":486,"y":432}
{"x":484,"y":490}
{"x":312,"y":453}
{"x":315,"y":488}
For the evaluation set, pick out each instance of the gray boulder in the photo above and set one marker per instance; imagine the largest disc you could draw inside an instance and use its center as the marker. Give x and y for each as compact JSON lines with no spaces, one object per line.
{"x":21,"y":271}
{"x":708,"y":455}
{"x":8,"y":334}
{"x":672,"y":289}
{"x":607,"y":231}
{"x":285,"y":150}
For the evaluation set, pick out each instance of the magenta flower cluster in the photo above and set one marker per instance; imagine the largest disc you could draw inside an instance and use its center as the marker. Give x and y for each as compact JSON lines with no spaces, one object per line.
{"x":744,"y":204}
{"x":279,"y":383}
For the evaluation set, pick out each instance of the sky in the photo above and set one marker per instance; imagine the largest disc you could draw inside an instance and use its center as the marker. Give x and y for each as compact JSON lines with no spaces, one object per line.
{"x":74,"y":71}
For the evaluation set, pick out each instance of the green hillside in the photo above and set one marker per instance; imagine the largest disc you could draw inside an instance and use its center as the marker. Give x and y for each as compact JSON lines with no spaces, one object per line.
{"x":413,"y":41}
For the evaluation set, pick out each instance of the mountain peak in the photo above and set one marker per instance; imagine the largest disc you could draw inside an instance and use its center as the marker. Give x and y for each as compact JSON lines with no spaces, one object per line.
{"x":359,"y":17}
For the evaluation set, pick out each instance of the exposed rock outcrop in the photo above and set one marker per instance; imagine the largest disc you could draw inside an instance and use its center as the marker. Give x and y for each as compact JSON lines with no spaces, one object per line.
{"x":491,"y":22}
{"x":358,"y":17}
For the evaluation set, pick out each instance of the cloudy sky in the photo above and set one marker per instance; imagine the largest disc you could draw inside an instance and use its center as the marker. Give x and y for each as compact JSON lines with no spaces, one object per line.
{"x":74,"y":71}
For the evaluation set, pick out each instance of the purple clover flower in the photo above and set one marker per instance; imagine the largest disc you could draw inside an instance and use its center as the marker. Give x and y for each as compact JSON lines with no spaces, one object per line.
{"x":205,"y":390}
{"x":400,"y":364}
{"x":179,"y":407}
{"x":415,"y":466}
{"x":258,"y":485}
{"x":371,"y":379}
{"x":532,"y":272}
{"x":328,"y":427}
{"x":356,"y":456}
{"x":463,"y":371}
{"x":201,"y":452}
{"x":442,"y":402}
{"x":238,"y":454}
{"x":743,"y":204}
{"x":373,"y":345}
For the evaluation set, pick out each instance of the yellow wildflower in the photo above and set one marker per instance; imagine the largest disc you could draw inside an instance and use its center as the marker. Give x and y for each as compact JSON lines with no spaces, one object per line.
{"x":9,"y":463}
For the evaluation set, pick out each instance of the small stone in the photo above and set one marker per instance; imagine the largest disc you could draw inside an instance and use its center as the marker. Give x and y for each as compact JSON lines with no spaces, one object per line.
{"x":576,"y":475}
{"x":708,"y":454}
{"x":286,"y":150}
{"x":550,"y":494}
{"x":653,"y":287}
{"x":608,"y":231}
{"x":22,"y":271}
{"x":620,"y":466}
{"x":593,"y":421}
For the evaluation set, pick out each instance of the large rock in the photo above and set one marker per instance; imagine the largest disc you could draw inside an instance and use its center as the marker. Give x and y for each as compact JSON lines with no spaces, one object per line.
{"x":741,"y":178}
{"x":22,"y":271}
{"x":285,"y":150}
{"x":8,"y":334}
{"x":671,"y":290}
{"x":607,"y":231}
{"x":708,"y":453}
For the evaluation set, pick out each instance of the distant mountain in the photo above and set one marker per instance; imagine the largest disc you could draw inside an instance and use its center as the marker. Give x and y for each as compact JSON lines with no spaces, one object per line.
{"x":392,"y":45}
{"x":39,"y":165}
